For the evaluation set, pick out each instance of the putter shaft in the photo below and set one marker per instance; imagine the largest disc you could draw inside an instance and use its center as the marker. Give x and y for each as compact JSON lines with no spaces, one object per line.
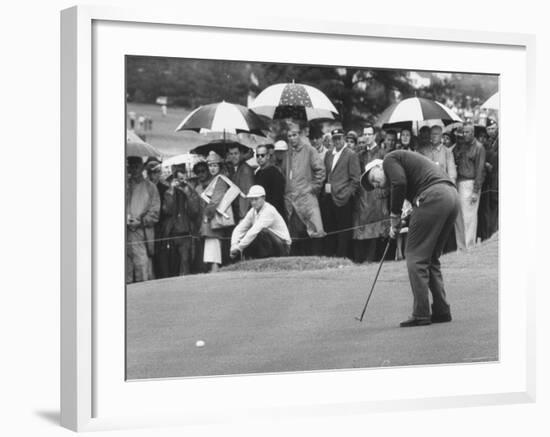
{"x":374,"y":282}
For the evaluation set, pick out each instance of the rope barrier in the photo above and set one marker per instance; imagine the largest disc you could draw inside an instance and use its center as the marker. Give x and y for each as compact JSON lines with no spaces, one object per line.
{"x":341,"y":231}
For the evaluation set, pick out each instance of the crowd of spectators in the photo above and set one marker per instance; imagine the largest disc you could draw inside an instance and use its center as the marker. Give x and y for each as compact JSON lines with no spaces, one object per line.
{"x":303,"y":198}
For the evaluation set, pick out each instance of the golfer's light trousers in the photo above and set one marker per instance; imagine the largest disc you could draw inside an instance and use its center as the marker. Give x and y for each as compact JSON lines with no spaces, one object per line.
{"x":431,"y":222}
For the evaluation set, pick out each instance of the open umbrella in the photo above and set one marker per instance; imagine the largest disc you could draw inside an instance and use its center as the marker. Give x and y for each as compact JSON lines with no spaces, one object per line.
{"x":225,"y":118}
{"x":492,"y":102}
{"x":416,"y":109}
{"x":221,"y":147}
{"x":293,"y":100}
{"x":135,"y":146}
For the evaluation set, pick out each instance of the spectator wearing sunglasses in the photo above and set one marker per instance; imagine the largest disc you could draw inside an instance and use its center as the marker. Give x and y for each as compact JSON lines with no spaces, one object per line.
{"x":271,"y":178}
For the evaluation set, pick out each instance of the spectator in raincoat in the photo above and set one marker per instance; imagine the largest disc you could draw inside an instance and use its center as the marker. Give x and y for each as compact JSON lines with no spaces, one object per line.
{"x":218,"y":220}
{"x":305,"y":175}
{"x":143,"y":209}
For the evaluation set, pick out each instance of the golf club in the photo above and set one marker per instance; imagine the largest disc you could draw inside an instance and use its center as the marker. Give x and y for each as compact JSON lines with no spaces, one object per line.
{"x":374,"y":282}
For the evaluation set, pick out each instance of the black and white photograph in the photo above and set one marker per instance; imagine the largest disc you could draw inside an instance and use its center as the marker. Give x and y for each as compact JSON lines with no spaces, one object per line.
{"x":289,"y":218}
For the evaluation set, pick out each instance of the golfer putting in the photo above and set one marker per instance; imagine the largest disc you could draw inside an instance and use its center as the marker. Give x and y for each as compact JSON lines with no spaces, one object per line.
{"x":434,"y":197}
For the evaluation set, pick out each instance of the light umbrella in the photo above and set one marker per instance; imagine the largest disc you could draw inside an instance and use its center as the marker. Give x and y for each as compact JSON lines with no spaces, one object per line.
{"x":293,"y":100}
{"x":135,"y":146}
{"x":417,"y":109}
{"x":224,"y":118}
{"x":492,"y":102}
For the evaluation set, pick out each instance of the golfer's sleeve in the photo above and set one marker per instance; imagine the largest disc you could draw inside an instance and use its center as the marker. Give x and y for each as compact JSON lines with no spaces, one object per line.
{"x":240,"y":229}
{"x":263,"y":221}
{"x":398,"y":183}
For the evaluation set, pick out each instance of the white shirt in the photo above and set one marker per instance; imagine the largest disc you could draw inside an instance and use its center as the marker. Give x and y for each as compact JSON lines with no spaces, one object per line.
{"x":336,"y":156}
{"x":256,"y":221}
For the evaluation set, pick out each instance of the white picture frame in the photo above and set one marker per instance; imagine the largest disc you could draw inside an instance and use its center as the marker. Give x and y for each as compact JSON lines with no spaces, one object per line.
{"x":82,"y":368}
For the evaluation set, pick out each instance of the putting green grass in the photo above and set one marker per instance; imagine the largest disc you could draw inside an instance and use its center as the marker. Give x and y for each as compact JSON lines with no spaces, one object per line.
{"x":297,"y":320}
{"x":288,"y":263}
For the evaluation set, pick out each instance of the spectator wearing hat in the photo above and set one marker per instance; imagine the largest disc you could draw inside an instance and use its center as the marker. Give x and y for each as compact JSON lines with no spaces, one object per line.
{"x":433,"y":195}
{"x":218,"y":218}
{"x":305,"y":175}
{"x":262,"y":233}
{"x":370,"y":208}
{"x":142,"y":209}
{"x":343,"y":172}
{"x":469,"y":156}
{"x":351,"y":140}
{"x":181,"y":209}
{"x":242,"y":175}
{"x":488,"y":202}
{"x":316,"y":140}
{"x":271,"y":178}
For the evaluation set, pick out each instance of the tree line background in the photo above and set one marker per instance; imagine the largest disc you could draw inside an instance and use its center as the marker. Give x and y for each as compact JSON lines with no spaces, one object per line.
{"x":359,"y":94}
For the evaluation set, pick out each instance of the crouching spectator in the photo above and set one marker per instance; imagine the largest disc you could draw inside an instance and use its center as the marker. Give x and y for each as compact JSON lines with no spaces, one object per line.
{"x":262,"y":233}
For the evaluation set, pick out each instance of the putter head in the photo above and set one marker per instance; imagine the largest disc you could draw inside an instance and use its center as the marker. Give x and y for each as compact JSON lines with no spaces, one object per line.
{"x":359,"y":319}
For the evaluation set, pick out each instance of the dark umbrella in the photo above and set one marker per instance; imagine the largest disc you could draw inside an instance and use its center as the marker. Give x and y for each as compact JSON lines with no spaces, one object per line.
{"x":221,"y":147}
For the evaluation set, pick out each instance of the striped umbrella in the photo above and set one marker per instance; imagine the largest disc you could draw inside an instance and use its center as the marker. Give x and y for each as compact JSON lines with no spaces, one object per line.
{"x":223,"y":117}
{"x":293,"y":100}
{"x":135,"y":146}
{"x":417,"y":109}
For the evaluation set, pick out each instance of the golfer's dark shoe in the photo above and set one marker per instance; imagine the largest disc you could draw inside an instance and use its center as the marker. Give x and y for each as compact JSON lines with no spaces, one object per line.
{"x":415,"y":322}
{"x":441,"y":318}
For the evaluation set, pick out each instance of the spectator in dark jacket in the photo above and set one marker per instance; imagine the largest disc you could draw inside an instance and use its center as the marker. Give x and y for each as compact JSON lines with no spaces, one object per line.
{"x":271,"y":178}
{"x":181,"y":207}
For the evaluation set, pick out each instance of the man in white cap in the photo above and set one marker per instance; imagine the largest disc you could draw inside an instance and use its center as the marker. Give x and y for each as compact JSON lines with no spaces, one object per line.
{"x":262,"y":233}
{"x":434,"y":197}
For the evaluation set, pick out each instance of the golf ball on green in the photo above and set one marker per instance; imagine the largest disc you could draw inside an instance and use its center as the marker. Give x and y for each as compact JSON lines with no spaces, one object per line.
{"x":199,"y":343}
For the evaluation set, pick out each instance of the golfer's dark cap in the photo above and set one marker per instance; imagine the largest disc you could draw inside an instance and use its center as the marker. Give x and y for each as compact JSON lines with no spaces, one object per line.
{"x":336,"y":132}
{"x":365,"y":176}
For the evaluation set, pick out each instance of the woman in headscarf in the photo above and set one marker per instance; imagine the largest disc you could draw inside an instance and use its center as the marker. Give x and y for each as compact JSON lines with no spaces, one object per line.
{"x":217,"y":192}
